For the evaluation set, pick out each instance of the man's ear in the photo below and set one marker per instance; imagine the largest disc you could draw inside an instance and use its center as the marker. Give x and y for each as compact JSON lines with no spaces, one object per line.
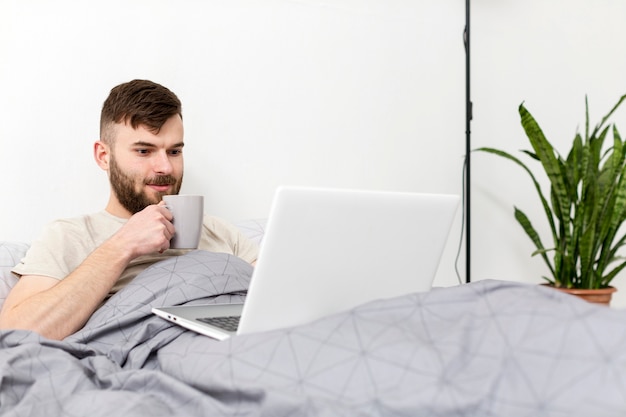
{"x":102,"y":154}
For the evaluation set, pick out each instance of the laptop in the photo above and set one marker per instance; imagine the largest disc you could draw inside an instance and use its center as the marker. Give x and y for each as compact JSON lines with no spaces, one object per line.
{"x":328,"y":250}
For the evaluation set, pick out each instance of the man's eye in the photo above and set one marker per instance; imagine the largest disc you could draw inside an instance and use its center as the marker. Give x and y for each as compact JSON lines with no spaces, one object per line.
{"x":142,"y":151}
{"x":176,"y":152}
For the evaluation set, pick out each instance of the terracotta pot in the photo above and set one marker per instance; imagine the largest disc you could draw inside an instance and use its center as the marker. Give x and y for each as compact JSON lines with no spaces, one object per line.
{"x":598,"y":296}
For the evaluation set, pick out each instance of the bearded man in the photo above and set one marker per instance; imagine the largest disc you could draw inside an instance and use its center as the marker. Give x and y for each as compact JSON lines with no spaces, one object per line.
{"x":78,"y":263}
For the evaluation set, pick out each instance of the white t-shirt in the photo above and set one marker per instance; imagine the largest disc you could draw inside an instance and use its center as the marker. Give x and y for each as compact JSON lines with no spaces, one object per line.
{"x":66,"y":243}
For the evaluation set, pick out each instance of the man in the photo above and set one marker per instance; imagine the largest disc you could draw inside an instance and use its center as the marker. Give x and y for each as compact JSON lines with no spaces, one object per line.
{"x":78,"y":263}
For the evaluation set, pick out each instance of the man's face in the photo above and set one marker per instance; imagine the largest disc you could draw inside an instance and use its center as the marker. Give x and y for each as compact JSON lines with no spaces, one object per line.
{"x":144,"y":166}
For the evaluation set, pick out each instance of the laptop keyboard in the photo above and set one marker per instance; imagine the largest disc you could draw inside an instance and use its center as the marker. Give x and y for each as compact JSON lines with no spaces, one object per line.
{"x":229,"y":323}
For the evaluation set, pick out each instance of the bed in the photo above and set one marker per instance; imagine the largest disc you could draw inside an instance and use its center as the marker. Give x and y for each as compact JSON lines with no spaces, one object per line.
{"x":489,"y":348}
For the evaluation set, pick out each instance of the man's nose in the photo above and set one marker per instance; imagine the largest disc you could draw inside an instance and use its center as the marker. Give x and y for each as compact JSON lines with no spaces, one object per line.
{"x":162,"y":163}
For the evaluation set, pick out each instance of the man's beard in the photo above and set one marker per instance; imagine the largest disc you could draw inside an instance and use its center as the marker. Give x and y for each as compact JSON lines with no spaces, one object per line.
{"x":134,"y":201}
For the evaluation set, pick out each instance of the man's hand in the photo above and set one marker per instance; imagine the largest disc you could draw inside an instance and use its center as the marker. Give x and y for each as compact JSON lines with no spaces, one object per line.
{"x":146,"y":232}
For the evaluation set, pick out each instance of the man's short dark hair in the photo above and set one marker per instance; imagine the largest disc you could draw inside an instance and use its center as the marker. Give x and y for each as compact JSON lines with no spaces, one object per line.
{"x":138,"y":103}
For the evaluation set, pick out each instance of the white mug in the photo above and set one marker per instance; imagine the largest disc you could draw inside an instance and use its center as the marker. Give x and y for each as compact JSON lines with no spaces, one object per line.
{"x":188,"y":211}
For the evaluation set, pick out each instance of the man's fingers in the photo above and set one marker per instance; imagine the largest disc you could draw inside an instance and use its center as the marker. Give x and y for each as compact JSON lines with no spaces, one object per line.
{"x":165,"y":211}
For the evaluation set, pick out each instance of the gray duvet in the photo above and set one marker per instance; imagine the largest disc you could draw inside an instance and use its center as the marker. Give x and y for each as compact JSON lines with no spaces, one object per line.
{"x":483,"y":349}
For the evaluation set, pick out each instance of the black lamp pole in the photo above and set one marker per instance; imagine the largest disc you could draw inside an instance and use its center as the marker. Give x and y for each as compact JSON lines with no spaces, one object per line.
{"x":468,"y":119}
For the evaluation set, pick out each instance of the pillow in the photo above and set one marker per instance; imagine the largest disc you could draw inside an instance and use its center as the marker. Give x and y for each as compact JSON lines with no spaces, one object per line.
{"x":10,"y":255}
{"x":253,"y":229}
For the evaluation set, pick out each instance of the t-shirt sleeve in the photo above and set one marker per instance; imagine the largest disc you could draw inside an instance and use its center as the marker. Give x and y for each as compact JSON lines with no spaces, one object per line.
{"x":225,"y":237}
{"x":56,"y":252}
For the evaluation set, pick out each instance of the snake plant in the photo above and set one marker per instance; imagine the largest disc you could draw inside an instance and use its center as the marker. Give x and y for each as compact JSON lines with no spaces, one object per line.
{"x":587,"y":202}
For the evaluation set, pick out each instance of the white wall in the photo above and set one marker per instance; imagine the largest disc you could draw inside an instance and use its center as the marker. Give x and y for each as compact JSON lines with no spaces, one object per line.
{"x":344,"y":93}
